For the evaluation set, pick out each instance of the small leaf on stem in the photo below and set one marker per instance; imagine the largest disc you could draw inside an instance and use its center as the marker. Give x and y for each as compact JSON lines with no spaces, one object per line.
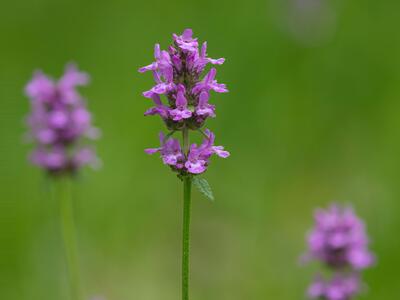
{"x":203,"y":186}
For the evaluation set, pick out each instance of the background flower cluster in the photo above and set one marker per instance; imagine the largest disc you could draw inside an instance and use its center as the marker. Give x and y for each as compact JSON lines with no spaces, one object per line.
{"x":339,"y":241}
{"x":59,"y":122}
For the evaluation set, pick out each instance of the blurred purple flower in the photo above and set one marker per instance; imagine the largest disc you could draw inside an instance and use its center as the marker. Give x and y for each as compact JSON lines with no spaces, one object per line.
{"x":59,"y":120}
{"x":339,"y":239}
{"x":338,"y":288}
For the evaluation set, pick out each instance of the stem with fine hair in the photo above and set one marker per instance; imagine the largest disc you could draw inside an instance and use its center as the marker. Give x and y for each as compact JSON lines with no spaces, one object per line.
{"x":187,"y":186}
{"x":64,"y":196}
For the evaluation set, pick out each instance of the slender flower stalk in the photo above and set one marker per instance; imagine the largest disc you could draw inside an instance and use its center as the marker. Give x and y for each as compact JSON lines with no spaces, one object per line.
{"x":59,"y":124}
{"x":178,"y":74}
{"x":339,"y":241}
{"x":64,"y":195}
{"x":187,"y":187}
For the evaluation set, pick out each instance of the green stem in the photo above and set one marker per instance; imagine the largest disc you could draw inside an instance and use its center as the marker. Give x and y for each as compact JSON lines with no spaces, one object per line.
{"x":185,"y":135}
{"x":187,"y":185}
{"x":64,"y":196}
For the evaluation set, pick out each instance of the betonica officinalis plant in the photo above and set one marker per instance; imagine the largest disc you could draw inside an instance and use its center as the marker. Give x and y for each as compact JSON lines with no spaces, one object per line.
{"x":180,"y":75}
{"x":59,"y":126}
{"x":340,"y":242}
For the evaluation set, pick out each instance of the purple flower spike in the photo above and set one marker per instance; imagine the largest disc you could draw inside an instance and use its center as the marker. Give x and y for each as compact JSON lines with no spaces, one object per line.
{"x":338,"y":288}
{"x":59,"y":121}
{"x":338,"y":240}
{"x":178,"y":76}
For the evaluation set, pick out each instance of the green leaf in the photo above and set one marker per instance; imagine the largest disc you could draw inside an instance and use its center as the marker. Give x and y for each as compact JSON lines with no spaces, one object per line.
{"x":203,"y":187}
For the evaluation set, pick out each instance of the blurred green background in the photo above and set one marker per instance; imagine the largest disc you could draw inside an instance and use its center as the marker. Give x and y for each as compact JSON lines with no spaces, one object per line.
{"x":312,"y":116}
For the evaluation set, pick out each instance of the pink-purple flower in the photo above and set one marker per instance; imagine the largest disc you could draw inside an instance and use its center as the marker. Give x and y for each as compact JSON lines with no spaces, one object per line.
{"x":59,"y":121}
{"x":204,"y":109}
{"x":339,"y":241}
{"x":171,"y":152}
{"x":210,"y":83}
{"x":178,"y":77}
{"x":197,"y":159}
{"x":181,"y":111}
{"x":338,"y":288}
